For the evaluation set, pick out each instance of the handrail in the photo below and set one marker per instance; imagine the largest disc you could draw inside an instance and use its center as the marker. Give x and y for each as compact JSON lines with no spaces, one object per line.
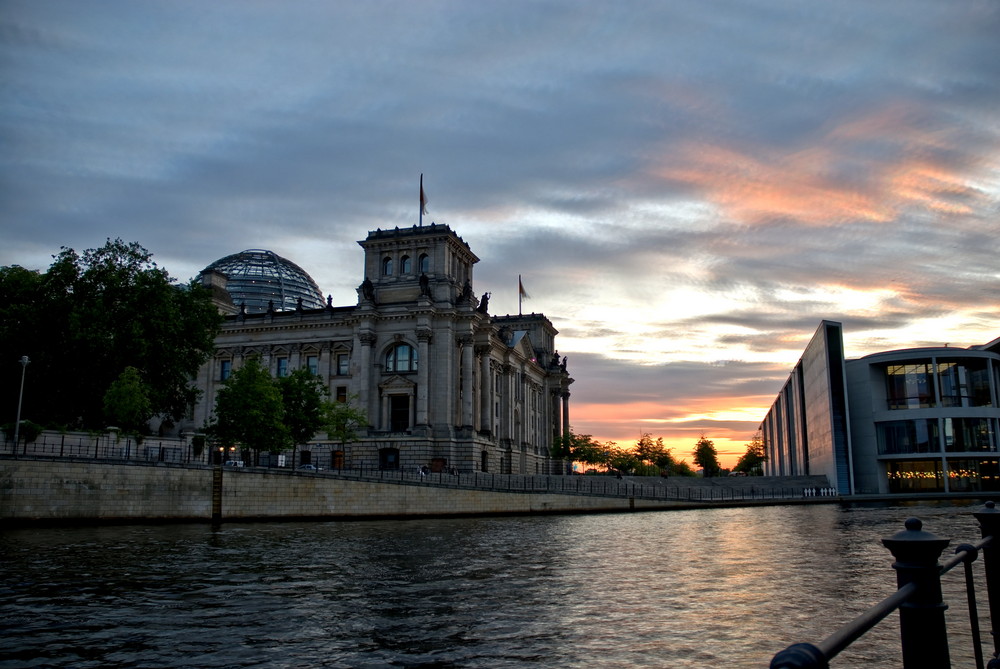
{"x":918,"y":599}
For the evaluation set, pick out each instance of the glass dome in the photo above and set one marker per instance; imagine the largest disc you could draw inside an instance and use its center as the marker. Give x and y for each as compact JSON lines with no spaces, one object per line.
{"x":257,"y":277}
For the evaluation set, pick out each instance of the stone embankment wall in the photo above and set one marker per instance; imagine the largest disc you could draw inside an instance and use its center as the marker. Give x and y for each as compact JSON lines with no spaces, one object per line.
{"x":66,"y":490}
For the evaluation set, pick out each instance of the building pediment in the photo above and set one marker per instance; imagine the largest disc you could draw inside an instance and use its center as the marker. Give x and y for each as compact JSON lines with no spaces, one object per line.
{"x":397,"y":384}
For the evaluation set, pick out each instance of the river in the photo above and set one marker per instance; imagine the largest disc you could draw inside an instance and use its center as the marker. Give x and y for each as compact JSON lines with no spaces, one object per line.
{"x":699,"y":588}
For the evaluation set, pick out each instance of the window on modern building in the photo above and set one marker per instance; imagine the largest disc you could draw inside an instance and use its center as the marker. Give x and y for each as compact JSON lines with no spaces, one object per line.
{"x":387,"y":266}
{"x":425,"y":262}
{"x":915,"y":475}
{"x":908,"y":436}
{"x":967,"y":434}
{"x":225,"y":369}
{"x":312,"y":364}
{"x":341,"y":393}
{"x":401,"y":358}
{"x":281,"y":367}
{"x":910,"y":386}
{"x":965,"y":475}
{"x":404,"y":265}
{"x":964,"y":384}
{"x":343,"y":364}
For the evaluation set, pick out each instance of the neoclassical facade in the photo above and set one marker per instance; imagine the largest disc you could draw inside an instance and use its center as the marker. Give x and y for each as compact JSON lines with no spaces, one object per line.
{"x":902,"y":421}
{"x":443,"y":383}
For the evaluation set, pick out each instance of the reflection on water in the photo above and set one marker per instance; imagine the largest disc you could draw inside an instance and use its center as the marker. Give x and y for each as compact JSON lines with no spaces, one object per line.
{"x":704,"y":588}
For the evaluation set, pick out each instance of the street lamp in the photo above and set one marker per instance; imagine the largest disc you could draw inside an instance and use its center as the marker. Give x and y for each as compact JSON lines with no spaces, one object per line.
{"x":17,"y":425}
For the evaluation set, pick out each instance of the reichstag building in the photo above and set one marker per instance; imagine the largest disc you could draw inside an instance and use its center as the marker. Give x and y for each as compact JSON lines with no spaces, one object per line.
{"x":444,"y":384}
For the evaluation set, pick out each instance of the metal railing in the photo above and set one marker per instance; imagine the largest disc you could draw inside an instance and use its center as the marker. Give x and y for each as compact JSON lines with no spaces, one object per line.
{"x":919,"y":600}
{"x":112,"y":449}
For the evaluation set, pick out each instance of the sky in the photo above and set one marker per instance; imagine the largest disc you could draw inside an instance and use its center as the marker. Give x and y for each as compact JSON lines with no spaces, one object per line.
{"x":686,"y":188}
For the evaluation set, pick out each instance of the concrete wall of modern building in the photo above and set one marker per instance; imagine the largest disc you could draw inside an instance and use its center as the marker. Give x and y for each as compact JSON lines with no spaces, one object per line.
{"x":805,"y":432}
{"x":79,"y":490}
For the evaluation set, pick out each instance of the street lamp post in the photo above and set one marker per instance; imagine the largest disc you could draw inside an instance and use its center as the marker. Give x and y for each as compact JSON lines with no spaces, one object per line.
{"x":17,"y":424}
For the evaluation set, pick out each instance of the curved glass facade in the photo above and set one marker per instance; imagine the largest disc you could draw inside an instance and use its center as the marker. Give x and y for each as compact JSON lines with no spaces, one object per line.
{"x":258,"y":279}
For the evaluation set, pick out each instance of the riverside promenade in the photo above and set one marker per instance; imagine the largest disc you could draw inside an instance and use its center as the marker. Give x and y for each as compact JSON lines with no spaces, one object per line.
{"x":45,"y":488}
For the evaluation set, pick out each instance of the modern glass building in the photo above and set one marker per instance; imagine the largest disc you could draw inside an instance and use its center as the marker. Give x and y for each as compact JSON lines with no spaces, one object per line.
{"x":910,"y":420}
{"x":260,"y":280}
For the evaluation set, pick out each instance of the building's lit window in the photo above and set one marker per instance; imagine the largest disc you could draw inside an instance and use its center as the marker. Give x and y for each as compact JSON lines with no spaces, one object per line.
{"x":281,"y":367}
{"x":910,"y":386}
{"x":312,"y":364}
{"x":225,"y":369}
{"x":342,"y":394}
{"x":908,"y":436}
{"x":401,"y":358}
{"x":343,"y":364}
{"x":964,"y":384}
{"x":387,"y":266}
{"x":404,"y":265}
{"x":968,"y":434}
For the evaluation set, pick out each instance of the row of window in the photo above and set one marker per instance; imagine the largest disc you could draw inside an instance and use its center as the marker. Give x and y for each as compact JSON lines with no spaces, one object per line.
{"x":400,"y":358}
{"x":281,"y":368}
{"x":920,"y":385}
{"x":406,"y":265}
{"x":928,"y":435}
{"x":963,"y":475}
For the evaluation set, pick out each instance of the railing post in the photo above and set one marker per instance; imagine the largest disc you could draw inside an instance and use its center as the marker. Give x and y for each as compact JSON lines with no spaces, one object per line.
{"x":921,"y":617}
{"x":989,"y":526}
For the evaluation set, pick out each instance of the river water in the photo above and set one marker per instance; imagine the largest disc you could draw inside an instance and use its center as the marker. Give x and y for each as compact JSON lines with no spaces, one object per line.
{"x":700,"y":588}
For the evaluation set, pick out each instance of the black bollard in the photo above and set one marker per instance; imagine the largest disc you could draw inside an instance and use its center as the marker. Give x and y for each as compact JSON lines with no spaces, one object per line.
{"x":989,"y":526}
{"x":921,"y":617}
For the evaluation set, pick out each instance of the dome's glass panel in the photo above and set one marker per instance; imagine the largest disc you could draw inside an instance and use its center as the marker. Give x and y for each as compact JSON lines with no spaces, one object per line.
{"x":258,"y":277}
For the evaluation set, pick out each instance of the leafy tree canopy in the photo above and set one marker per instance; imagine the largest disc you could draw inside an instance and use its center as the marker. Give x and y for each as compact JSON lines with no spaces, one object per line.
{"x":126,"y":404}
{"x":302,"y":397}
{"x":752,"y":462}
{"x":706,"y":457}
{"x":87,"y":319}
{"x":249,"y":410}
{"x":342,"y":420}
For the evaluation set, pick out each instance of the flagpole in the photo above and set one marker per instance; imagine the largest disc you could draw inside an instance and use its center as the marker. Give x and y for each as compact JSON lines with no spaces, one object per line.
{"x":421,"y":199}
{"x":520,"y":294}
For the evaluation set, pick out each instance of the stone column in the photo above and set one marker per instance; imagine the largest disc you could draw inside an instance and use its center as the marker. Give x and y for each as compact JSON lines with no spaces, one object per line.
{"x":565,"y":413}
{"x":366,"y":394}
{"x":468,"y":364}
{"x":424,"y":337}
{"x":485,"y":389}
{"x":556,"y":415}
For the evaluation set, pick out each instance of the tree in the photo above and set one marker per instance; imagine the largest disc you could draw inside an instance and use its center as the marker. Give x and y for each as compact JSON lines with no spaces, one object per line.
{"x":622,"y":460}
{"x":706,"y":457}
{"x":682,"y":468}
{"x":575,"y":447}
{"x":752,"y":462}
{"x":302,"y":396}
{"x":88,"y":318}
{"x":654,"y":452}
{"x":127,"y":405}
{"x":342,"y":421}
{"x":249,"y":411}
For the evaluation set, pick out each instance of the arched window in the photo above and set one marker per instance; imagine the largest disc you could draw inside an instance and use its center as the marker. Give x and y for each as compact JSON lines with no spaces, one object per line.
{"x":404,"y":265}
{"x":401,"y":358}
{"x":387,"y":266}
{"x":425,"y":263}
